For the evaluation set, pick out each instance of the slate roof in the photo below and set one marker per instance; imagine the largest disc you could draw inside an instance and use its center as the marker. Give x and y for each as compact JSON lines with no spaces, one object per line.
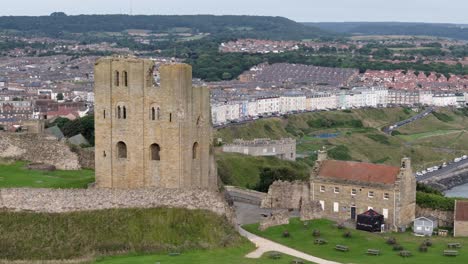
{"x":359,"y":171}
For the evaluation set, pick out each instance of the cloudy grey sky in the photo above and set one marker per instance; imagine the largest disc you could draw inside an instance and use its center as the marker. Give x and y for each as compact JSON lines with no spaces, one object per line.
{"x":452,"y":11}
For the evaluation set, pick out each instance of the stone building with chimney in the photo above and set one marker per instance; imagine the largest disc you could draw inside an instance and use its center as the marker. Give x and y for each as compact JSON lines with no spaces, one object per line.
{"x":347,"y":188}
{"x":150,"y":134}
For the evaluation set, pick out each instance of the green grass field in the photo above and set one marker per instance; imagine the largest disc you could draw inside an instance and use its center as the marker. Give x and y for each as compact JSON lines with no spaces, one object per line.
{"x":233,"y":255}
{"x":14,"y":175}
{"x":302,"y":239}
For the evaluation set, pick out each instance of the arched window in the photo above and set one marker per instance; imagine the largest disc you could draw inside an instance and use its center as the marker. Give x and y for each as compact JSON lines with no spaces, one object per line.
{"x":121,"y":150}
{"x":195,"y":150}
{"x":125,"y":77}
{"x":117,"y":78}
{"x":155,"y":152}
{"x":124,"y":112}
{"x":153,"y":113}
{"x":119,"y":112}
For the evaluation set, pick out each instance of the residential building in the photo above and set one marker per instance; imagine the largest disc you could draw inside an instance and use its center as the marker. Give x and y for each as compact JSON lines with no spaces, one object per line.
{"x":346,"y":189}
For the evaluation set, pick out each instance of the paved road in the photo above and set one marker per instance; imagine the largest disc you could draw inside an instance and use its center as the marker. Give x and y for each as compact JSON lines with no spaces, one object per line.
{"x":265,"y":245}
{"x":452,"y":167}
{"x":409,"y":120}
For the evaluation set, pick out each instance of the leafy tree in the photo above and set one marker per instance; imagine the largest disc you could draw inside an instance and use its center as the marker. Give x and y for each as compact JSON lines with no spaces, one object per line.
{"x":270,"y":175}
{"x":60,"y":96}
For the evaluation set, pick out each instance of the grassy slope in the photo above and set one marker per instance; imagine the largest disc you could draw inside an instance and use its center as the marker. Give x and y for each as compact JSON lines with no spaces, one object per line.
{"x":423,"y":140}
{"x":16,"y":175}
{"x":234,"y":255}
{"x":72,"y":235}
{"x":360,"y":241}
{"x":242,"y":170}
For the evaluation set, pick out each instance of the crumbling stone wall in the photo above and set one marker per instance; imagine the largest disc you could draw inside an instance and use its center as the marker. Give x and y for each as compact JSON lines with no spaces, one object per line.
{"x":444,"y":218}
{"x":38,"y":148}
{"x":311,"y":210}
{"x":86,"y":157}
{"x":283,"y":194}
{"x":277,"y":217}
{"x":60,"y":200}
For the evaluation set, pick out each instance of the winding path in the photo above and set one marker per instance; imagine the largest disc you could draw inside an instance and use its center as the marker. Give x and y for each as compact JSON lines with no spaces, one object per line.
{"x":265,"y":245}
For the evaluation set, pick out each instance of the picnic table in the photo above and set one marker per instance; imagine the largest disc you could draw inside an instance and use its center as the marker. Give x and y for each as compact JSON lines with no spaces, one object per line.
{"x":274,"y":255}
{"x":405,"y":253}
{"x":320,"y":241}
{"x":450,"y":252}
{"x":374,"y":252}
{"x":173,"y":254}
{"x":454,"y":245}
{"x":341,"y":248}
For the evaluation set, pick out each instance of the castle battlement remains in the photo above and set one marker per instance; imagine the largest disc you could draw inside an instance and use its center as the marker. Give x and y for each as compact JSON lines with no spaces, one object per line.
{"x":149,"y":134}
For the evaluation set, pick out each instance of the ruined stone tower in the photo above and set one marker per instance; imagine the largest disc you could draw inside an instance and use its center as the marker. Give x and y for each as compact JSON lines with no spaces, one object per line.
{"x":148,"y":134}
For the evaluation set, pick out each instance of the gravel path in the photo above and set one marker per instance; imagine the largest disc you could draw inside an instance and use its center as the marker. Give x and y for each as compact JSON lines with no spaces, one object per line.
{"x":265,"y":245}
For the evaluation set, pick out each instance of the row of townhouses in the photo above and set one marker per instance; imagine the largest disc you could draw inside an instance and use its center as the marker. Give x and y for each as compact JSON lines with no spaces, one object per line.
{"x":359,"y":97}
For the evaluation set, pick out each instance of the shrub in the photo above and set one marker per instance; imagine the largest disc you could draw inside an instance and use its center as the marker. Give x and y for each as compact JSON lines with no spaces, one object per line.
{"x":423,"y":248}
{"x":340,"y":152}
{"x":391,"y":241}
{"x":382,"y":139}
{"x":427,"y":243}
{"x":286,"y":234}
{"x":396,"y":133}
{"x":316,"y":233}
{"x":434,"y":201}
{"x":347,"y":234}
{"x":443,"y":117}
{"x":347,"y":111}
{"x":397,"y":247}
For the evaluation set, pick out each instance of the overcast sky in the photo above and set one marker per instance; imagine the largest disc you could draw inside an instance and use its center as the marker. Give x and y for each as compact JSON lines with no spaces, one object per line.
{"x":451,"y":11}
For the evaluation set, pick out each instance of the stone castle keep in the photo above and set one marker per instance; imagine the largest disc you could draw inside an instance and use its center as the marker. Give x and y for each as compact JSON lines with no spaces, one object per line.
{"x":149,"y":134}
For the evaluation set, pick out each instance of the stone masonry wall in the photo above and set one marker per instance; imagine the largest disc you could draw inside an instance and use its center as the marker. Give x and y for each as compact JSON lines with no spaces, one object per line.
{"x":38,"y":148}
{"x":60,"y":200}
{"x":445,"y":218}
{"x":283,"y":194}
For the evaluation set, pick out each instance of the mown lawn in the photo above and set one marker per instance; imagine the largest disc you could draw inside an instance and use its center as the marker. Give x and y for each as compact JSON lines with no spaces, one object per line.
{"x":233,"y":255}
{"x":302,"y":239}
{"x":15,"y":175}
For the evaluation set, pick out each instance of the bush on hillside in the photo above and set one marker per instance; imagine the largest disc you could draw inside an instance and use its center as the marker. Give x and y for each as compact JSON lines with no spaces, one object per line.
{"x":382,"y":139}
{"x":442,"y":117}
{"x":421,"y":187}
{"x":270,"y":175}
{"x":340,"y":152}
{"x":434,"y":201}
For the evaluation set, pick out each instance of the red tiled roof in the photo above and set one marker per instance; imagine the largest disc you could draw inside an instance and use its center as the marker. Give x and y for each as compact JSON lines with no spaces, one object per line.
{"x":359,"y":171}
{"x":461,"y":211}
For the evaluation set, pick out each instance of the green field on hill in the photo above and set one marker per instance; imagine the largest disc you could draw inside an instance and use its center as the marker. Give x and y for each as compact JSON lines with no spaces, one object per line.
{"x":430,"y":141}
{"x":301,"y":238}
{"x":15,"y":174}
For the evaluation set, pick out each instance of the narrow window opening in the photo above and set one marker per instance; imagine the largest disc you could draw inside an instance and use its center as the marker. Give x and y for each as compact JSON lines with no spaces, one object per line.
{"x":104,"y":114}
{"x":121,"y":150}
{"x":104,"y":154}
{"x":125,"y":76}
{"x":119,"y":112}
{"x":117,"y":78}
{"x":124,"y":112}
{"x":198,"y":120}
{"x":155,"y":152}
{"x":170,"y":117}
{"x":153,"y":113}
{"x":195,"y":150}
{"x":158,"y":112}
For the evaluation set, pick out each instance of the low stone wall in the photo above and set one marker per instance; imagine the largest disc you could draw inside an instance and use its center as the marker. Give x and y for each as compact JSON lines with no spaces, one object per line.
{"x":69,"y":200}
{"x":444,"y":218}
{"x":38,"y":148}
{"x":244,"y":195}
{"x":445,"y":182}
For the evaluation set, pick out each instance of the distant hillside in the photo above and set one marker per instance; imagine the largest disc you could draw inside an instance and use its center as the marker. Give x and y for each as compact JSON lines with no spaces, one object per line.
{"x":245,"y":26}
{"x":396,"y":28}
